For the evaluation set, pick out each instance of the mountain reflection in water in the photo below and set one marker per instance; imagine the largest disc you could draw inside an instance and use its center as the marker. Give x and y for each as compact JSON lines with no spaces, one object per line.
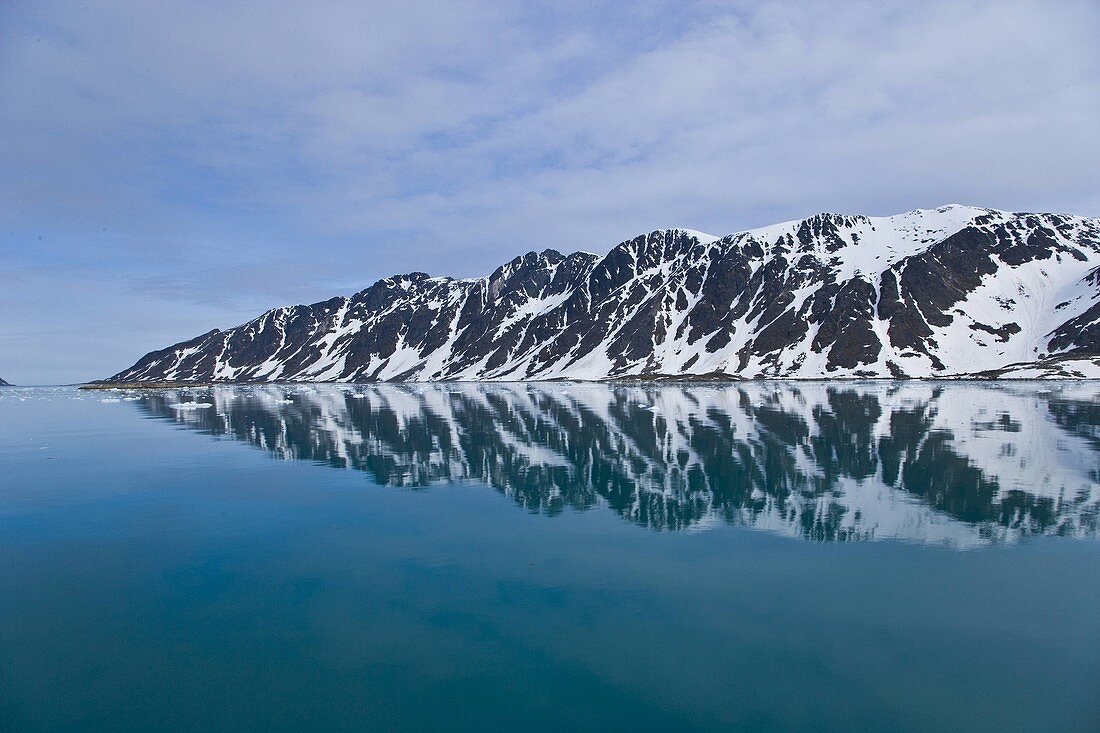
{"x":957,"y":464}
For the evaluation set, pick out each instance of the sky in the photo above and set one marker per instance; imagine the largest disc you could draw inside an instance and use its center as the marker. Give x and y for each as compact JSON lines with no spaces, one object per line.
{"x":173,"y":167}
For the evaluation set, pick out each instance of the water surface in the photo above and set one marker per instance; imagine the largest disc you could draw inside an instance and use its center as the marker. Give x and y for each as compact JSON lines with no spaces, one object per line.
{"x":737,"y":557}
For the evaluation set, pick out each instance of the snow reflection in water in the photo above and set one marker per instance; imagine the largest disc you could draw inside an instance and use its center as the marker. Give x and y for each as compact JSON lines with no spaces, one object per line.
{"x":959,"y":464}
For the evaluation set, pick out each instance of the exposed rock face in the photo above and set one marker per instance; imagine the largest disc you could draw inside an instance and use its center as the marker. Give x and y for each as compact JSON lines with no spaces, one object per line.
{"x":945,"y":292}
{"x":4,"y":384}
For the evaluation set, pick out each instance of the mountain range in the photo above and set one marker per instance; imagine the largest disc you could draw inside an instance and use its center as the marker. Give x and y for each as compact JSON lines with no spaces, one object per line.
{"x":949,"y":292}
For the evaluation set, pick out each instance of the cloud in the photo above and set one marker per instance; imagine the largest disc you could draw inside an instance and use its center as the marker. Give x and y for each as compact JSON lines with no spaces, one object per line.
{"x":198,"y":161}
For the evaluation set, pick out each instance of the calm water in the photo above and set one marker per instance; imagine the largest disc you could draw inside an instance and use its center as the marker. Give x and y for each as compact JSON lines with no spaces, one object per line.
{"x":765,"y":557}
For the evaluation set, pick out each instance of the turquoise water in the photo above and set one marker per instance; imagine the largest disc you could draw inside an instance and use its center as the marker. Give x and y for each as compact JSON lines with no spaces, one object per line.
{"x":874,"y":557}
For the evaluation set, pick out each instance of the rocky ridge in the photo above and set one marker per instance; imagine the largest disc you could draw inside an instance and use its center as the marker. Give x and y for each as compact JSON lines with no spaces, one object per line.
{"x":954,"y":291}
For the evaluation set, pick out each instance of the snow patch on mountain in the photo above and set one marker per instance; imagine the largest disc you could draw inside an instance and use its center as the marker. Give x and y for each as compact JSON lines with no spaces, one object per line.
{"x":947,"y":292}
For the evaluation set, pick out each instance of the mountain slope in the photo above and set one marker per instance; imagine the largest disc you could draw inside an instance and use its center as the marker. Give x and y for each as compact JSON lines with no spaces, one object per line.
{"x":955,"y":290}
{"x":4,"y":384}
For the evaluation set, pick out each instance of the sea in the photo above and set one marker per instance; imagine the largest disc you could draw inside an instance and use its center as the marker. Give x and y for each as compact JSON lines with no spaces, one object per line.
{"x":758,"y":556}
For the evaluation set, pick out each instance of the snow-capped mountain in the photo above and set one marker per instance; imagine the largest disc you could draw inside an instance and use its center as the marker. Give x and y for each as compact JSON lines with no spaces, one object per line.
{"x":4,"y":384}
{"x":945,"y":292}
{"x":960,"y":464}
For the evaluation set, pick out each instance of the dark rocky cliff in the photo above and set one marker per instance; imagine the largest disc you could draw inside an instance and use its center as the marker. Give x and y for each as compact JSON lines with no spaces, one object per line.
{"x":944,"y":292}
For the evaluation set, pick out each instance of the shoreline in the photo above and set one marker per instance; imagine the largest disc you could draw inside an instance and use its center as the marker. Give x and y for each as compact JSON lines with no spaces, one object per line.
{"x":671,"y":381}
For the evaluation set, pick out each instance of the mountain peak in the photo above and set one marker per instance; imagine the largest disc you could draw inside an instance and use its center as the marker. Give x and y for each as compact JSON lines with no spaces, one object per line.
{"x":703,"y":237}
{"x":929,"y":293}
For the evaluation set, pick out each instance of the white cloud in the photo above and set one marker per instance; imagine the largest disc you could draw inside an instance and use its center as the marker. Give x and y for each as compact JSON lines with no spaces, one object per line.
{"x":339,"y":143}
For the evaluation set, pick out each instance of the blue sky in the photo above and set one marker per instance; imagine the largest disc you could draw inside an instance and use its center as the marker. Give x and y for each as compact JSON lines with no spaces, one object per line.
{"x":175,"y":167}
